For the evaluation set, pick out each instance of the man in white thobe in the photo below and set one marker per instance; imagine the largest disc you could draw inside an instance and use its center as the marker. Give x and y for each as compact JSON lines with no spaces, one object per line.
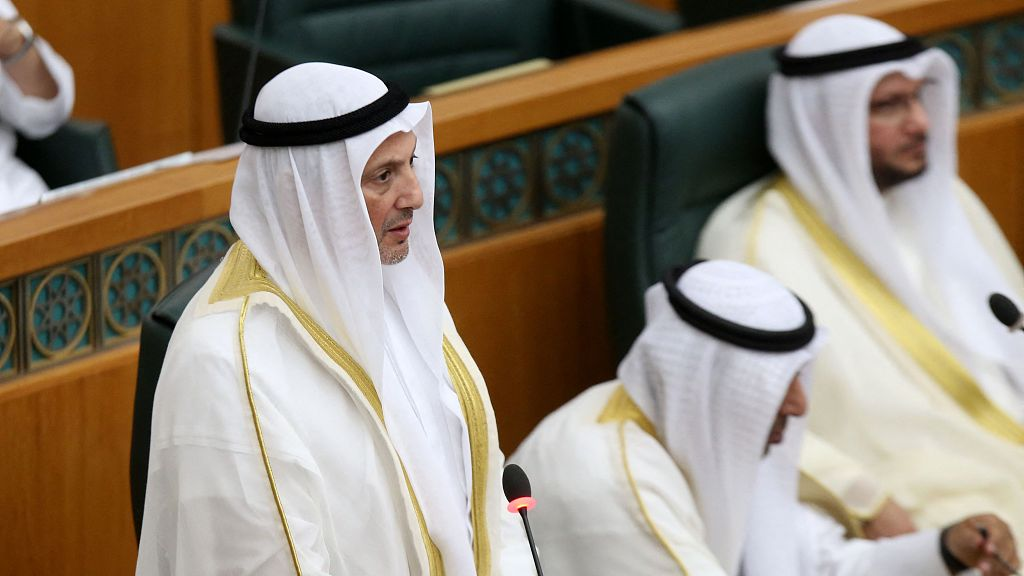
{"x":870,"y":223}
{"x":317,"y":412}
{"x":37,"y":91}
{"x":686,"y":464}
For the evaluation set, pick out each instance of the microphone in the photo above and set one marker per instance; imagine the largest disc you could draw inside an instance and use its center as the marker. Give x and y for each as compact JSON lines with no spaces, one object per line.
{"x":1006,"y":311}
{"x":250,"y":69}
{"x":517,"y":491}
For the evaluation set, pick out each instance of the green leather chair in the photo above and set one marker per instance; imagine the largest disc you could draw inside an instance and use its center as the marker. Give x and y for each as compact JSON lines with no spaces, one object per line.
{"x":78,"y":150}
{"x":416,"y":43}
{"x":678,"y":148}
{"x":156,"y":333}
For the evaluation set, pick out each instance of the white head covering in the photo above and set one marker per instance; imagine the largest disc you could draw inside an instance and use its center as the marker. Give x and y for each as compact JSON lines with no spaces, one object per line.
{"x":301,"y":212}
{"x":818,"y":133}
{"x":714,"y":403}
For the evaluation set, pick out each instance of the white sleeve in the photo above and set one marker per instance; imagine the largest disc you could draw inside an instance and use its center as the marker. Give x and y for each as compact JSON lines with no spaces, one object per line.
{"x":210,"y":511}
{"x":36,"y":117}
{"x":209,"y":505}
{"x":838,"y":484}
{"x":833,"y":555}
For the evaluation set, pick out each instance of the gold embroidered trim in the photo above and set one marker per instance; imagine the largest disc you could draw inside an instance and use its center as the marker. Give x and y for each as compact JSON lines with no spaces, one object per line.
{"x":817,"y":494}
{"x":243,"y":276}
{"x":434,"y":561}
{"x":927,"y":350}
{"x":474,"y":412}
{"x":621,"y":408}
{"x":643,"y":508}
{"x":259,"y":437}
{"x":750,"y":255}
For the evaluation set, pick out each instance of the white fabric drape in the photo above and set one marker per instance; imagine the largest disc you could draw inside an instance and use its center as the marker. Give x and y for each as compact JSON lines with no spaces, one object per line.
{"x":713,"y":405}
{"x":34,"y":117}
{"x":301,"y":212}
{"x":818,"y":133}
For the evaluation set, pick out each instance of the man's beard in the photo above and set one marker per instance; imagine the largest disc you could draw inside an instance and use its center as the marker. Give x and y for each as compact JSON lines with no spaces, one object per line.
{"x":394,"y":254}
{"x":888,"y":176}
{"x":389,"y":256}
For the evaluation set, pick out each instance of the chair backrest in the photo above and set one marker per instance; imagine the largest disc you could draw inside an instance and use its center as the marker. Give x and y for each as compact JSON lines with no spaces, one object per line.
{"x":418,"y":43}
{"x":678,"y":148}
{"x":233,"y":49}
{"x":156,"y":333}
{"x":411,"y":43}
{"x":78,"y":150}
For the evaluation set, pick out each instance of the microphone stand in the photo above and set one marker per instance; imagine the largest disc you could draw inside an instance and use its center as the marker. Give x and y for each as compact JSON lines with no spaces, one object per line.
{"x":533,"y":545}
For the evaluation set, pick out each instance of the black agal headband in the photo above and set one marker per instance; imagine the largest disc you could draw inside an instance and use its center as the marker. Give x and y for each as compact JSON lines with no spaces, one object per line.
{"x":837,"y":61}
{"x":312,"y":132}
{"x":731,"y":332}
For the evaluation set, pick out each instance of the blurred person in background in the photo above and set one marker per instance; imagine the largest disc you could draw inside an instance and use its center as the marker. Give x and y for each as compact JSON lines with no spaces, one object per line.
{"x":37,"y":90}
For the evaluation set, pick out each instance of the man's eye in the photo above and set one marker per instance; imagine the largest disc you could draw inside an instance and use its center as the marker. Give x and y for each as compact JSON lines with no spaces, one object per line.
{"x":383,"y":176}
{"x":413,"y":159}
{"x":885,"y":105}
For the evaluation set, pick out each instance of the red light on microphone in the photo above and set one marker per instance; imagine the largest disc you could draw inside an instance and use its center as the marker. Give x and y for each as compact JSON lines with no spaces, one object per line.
{"x":519,"y":503}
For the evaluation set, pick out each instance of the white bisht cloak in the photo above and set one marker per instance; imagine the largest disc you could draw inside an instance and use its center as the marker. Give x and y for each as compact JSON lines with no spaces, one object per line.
{"x":34,"y":117}
{"x":210,"y":508}
{"x":661,"y":472}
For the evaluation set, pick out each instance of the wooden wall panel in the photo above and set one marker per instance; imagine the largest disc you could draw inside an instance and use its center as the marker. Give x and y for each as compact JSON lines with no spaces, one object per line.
{"x":64,"y":444}
{"x":206,"y":122}
{"x":992,"y":163}
{"x":146,"y":68}
{"x":531,"y":308}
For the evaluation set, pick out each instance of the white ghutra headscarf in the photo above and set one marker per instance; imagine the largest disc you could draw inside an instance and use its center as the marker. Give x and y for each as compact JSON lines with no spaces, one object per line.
{"x":301,"y":212}
{"x":713,"y":405}
{"x":818,"y":133}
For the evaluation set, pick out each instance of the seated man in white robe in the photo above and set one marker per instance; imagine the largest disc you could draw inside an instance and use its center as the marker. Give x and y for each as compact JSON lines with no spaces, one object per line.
{"x":37,"y":91}
{"x":687,"y":464}
{"x":317,"y":412}
{"x":868,"y":221}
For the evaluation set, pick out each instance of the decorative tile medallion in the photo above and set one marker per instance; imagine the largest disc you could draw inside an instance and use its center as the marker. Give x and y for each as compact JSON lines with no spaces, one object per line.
{"x":201,"y":246}
{"x":8,"y":330}
{"x":501,"y":186}
{"x":1003,"y":58}
{"x":573,"y":164}
{"x":447,"y":192}
{"x":134,"y":280}
{"x":962,"y":48}
{"x":60,"y":312}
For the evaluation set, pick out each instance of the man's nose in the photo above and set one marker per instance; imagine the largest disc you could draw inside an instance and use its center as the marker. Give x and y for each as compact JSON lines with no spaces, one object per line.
{"x":917,"y":121}
{"x":795,"y":403}
{"x":411,"y":194}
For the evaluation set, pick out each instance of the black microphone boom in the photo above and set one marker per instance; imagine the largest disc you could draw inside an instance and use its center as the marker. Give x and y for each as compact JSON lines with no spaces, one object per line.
{"x":1006,"y":311}
{"x":517,"y":491}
